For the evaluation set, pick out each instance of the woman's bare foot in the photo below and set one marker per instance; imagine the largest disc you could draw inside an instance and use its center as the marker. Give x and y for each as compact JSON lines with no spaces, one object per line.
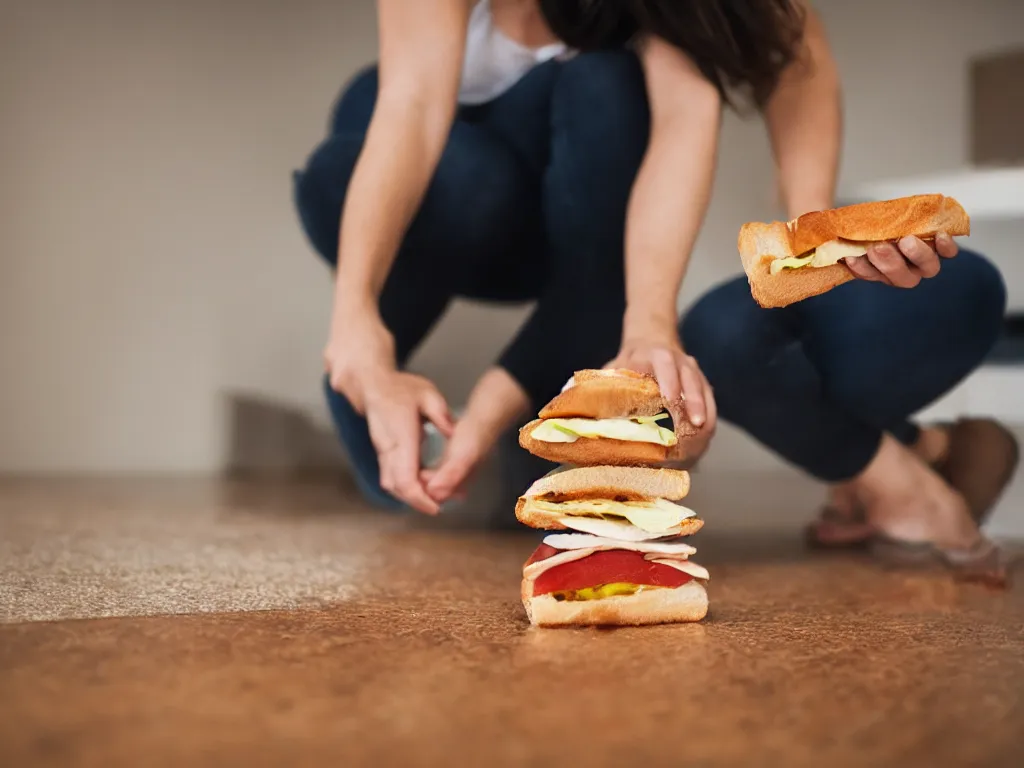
{"x":843,"y":521}
{"x":906,"y":500}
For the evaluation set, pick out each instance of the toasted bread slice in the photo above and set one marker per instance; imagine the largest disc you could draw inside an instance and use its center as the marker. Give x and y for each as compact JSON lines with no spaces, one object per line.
{"x":920,"y":215}
{"x":619,"y":483}
{"x":657,"y":606}
{"x":596,"y":394}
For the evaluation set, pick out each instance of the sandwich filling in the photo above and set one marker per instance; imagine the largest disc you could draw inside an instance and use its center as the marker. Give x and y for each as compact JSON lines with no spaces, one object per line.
{"x":608,"y":573}
{"x":825,"y":255}
{"x":639,"y":429}
{"x":628,"y":520}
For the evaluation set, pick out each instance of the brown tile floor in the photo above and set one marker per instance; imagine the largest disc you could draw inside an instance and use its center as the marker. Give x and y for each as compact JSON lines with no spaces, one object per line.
{"x":392,"y":643}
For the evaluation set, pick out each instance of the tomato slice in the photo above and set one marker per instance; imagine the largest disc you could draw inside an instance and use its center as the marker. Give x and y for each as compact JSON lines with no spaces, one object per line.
{"x":609,"y":566}
{"x":543,"y":552}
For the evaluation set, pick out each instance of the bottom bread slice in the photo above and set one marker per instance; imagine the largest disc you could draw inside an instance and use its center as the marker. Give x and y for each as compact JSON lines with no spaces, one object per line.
{"x":650,"y":606}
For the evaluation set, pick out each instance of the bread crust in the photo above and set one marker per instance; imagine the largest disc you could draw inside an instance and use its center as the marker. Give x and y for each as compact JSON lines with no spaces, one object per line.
{"x":626,"y":483}
{"x":920,"y":215}
{"x":551,"y":521}
{"x":687,"y":603}
{"x":590,"y":451}
{"x":605,"y":396}
{"x":761,"y":243}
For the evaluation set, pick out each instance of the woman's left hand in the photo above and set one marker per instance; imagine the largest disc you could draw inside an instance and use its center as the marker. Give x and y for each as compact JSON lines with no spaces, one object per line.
{"x":679,"y":378}
{"x":496,"y":403}
{"x":905,"y":263}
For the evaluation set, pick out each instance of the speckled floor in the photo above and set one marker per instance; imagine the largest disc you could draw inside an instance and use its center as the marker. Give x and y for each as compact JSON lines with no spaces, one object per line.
{"x":199,"y":623}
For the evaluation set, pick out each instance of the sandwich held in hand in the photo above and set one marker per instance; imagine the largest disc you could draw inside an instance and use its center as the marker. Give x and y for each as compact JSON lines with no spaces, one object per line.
{"x":791,"y":261}
{"x":609,"y":417}
{"x":617,"y":555}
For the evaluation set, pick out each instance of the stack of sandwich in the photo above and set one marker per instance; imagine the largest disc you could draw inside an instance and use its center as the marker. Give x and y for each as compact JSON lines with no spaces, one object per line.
{"x":616,"y":555}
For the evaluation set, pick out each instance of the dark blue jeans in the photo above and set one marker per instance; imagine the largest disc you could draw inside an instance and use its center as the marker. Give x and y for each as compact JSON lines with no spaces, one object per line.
{"x":528,"y":202}
{"x":819,"y":381}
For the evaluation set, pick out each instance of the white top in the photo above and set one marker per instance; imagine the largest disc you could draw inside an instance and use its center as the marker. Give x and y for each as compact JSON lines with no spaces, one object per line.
{"x":493,"y":62}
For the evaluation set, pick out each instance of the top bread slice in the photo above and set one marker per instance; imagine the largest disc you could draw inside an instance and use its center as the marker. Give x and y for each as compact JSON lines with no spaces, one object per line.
{"x":594,"y":394}
{"x":761,"y":243}
{"x":615,"y":394}
{"x":919,"y":215}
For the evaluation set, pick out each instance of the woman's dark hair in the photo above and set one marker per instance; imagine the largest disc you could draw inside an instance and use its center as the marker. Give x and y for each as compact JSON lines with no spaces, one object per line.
{"x":739,"y":45}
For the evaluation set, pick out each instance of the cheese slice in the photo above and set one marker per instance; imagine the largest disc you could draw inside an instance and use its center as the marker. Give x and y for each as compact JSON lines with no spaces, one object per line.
{"x":686,"y":566}
{"x":611,"y":528}
{"x":825,"y":255}
{"x":571,"y":430}
{"x":794,"y":262}
{"x":577,"y":541}
{"x":658,"y":516}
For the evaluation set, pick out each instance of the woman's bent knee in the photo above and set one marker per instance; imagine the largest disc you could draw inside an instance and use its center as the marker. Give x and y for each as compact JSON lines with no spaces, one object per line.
{"x":983,"y":292}
{"x":354,"y":107}
{"x":319,"y":192}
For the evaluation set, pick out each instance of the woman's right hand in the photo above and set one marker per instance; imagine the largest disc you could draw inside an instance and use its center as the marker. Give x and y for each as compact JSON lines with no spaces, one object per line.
{"x":360,"y":363}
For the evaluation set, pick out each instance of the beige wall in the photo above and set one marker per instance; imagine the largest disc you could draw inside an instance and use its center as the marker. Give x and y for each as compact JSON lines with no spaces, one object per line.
{"x":151,"y":262}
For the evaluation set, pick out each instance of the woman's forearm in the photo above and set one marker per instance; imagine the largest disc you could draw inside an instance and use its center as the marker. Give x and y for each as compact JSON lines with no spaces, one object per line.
{"x":401,"y":152}
{"x":666,"y":209}
{"x":421,"y":51}
{"x":671,"y":192}
{"x":804,"y":118}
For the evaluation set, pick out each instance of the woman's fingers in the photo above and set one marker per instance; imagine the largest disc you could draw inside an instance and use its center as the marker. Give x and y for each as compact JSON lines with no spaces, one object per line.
{"x":396,"y":432}
{"x":918,"y":253}
{"x":710,"y":405}
{"x":905,"y":263}
{"x":946,"y":246}
{"x":457,"y":465}
{"x":865,"y":270}
{"x":435,"y":408}
{"x":692,"y":382}
{"x":666,"y":371}
{"x":887,"y":259}
{"x":405,"y":469}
